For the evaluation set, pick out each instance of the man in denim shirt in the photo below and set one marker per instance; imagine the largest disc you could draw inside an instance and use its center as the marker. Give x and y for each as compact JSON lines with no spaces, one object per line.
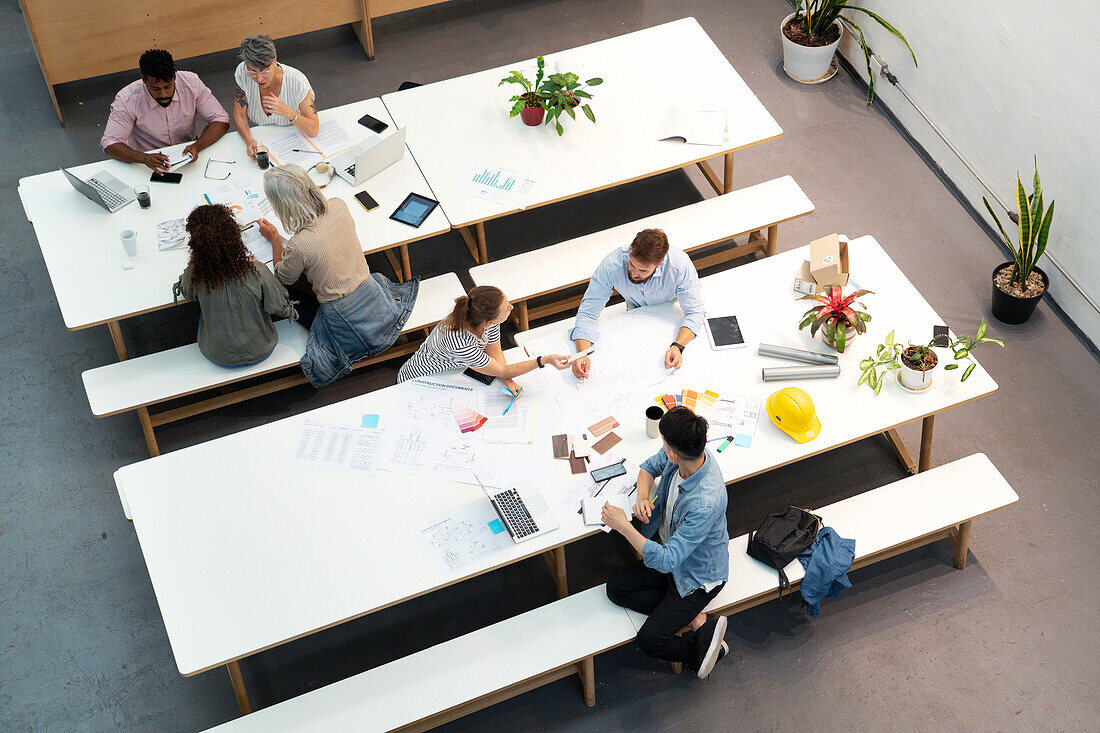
{"x":684,"y":547}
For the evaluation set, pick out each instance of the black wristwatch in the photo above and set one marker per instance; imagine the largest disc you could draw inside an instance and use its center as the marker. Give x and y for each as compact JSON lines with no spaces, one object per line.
{"x":678,"y":345}
{"x":538,"y":360}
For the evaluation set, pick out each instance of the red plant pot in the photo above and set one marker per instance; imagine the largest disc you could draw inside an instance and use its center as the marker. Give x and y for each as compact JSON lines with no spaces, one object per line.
{"x":532,"y":116}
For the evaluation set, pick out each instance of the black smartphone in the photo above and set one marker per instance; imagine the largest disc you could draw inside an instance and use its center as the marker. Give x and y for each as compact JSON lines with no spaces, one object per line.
{"x":373,"y":124}
{"x":607,"y":472}
{"x":483,"y":378}
{"x":159,"y":177}
{"x":939,"y":336}
{"x":366,"y":200}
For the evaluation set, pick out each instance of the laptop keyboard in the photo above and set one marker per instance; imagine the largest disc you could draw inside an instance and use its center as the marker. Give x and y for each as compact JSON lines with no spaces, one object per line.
{"x":513,"y":509}
{"x":110,"y":198}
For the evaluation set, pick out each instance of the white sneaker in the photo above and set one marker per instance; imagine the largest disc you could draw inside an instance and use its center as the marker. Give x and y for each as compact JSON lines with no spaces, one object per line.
{"x":715,"y":647}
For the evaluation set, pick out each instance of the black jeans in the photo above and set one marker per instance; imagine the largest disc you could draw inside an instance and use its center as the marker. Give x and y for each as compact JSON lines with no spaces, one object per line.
{"x":645,"y":590}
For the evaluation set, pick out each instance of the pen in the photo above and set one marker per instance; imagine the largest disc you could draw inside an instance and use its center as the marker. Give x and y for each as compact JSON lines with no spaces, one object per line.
{"x":721,"y":437}
{"x":297,"y":150}
{"x":509,"y":407}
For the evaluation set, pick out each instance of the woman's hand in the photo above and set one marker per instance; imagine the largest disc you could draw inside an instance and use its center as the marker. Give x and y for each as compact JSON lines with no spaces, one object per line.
{"x":268,"y":230}
{"x":511,"y":386}
{"x":250,"y":147}
{"x":558,"y":361}
{"x":275,"y":106}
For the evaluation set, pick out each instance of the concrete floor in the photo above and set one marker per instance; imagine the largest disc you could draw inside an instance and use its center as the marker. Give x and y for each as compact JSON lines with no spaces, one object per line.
{"x":1007,"y":644}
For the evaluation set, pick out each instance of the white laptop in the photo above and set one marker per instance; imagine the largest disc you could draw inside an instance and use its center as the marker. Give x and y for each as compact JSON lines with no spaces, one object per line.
{"x":104,"y":189}
{"x":522,"y":510}
{"x":363,"y":160}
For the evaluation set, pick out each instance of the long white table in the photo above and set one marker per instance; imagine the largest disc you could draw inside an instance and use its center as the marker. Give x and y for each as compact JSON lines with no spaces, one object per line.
{"x":246,"y":552}
{"x":80,"y":241}
{"x":671,"y":64}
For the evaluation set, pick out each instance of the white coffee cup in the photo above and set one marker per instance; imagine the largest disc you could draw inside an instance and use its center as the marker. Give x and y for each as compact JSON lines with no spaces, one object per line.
{"x":129,"y":242}
{"x":653,"y":415}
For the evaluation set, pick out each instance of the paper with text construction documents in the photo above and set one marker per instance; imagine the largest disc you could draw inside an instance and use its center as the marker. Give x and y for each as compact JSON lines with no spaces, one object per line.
{"x":465,"y":537}
{"x":336,"y":447}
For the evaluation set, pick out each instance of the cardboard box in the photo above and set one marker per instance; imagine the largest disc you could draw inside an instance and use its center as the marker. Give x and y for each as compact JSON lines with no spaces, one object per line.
{"x":827,"y":266}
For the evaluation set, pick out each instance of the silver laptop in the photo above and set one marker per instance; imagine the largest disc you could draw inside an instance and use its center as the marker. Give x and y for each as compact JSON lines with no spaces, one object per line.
{"x":358,"y":163}
{"x":104,"y":189}
{"x":522,"y":510}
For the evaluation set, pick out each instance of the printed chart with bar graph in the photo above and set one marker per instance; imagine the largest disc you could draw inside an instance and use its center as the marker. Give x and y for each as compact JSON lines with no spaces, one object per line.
{"x":497,"y":184}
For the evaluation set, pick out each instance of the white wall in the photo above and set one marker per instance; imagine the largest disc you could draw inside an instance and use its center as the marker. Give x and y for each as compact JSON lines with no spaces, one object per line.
{"x":1006,"y":80}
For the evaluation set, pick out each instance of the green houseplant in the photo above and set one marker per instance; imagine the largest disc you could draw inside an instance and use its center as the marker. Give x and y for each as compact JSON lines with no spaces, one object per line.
{"x":916,"y":361}
{"x":836,"y":317}
{"x":1018,"y":286}
{"x":811,"y":34}
{"x":562,"y":93}
{"x":530,"y":103}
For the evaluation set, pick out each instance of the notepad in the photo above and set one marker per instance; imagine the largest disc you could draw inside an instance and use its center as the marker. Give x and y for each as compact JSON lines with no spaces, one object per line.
{"x":593,"y":506}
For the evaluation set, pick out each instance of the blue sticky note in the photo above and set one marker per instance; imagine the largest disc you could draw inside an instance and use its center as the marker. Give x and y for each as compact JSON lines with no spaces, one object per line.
{"x":370,"y":421}
{"x":497,"y":526}
{"x":742,"y":441}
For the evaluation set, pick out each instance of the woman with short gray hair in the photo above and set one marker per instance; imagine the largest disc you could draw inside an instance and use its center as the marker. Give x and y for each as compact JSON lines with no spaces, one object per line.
{"x":270,"y":93}
{"x":358,"y":313}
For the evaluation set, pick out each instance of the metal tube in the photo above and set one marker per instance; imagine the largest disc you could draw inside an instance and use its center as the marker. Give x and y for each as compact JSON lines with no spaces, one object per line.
{"x":786,"y":352}
{"x":773,"y":374}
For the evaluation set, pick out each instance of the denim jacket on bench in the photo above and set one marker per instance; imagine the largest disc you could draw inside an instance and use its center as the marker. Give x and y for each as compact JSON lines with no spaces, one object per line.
{"x":363,"y":323}
{"x":697,"y":553}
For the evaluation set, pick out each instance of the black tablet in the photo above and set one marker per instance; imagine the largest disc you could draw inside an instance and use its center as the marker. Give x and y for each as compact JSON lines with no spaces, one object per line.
{"x":414,"y":209}
{"x":725,"y":332}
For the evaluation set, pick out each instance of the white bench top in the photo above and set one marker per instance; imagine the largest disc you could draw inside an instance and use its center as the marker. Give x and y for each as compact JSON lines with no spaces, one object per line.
{"x":80,"y":241}
{"x":622,"y":146}
{"x":689,"y":227}
{"x":454,"y":672}
{"x":153,"y":378}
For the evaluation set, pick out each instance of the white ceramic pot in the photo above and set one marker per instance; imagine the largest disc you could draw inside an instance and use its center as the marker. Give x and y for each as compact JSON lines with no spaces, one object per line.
{"x":914,"y":379}
{"x":807,"y":64}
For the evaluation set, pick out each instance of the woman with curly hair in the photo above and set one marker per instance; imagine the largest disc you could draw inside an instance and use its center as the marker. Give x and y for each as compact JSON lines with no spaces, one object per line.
{"x":237,"y":295}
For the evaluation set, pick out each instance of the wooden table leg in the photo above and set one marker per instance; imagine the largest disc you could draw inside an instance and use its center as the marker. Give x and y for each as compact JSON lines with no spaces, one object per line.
{"x":471,"y":244}
{"x":408,"y":271}
{"x":962,"y":544}
{"x":363,"y":30}
{"x":116,"y":337}
{"x":926,"y":443}
{"x":395,"y":264}
{"x":773,"y":240}
{"x":555,"y":561}
{"x":147,"y":429}
{"x":587,"y":670}
{"x":238,"y":687}
{"x":709,"y":174}
{"x":900,"y":450}
{"x":522,"y":322}
{"x":482,"y":254}
{"x":727,"y":174}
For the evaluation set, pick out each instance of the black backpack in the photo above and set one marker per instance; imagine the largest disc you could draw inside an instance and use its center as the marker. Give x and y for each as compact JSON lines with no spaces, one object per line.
{"x":782,"y":537}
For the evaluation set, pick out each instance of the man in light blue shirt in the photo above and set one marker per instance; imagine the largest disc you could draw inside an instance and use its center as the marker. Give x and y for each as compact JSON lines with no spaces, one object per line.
{"x":647,"y":272}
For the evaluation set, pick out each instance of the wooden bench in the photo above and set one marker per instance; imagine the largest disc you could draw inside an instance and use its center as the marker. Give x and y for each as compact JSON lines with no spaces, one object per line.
{"x":693,"y":227}
{"x":466,"y":674}
{"x":136,"y":384}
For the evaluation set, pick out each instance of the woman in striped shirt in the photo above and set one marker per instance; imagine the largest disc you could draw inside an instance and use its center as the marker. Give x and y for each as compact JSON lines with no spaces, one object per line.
{"x":270,"y":93}
{"x":470,"y":338}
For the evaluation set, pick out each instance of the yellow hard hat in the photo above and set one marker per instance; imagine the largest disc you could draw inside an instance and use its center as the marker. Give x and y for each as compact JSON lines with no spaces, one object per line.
{"x":792,"y":411}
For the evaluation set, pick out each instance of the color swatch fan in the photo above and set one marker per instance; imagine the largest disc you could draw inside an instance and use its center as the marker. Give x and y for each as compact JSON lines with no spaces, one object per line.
{"x":467,"y":418}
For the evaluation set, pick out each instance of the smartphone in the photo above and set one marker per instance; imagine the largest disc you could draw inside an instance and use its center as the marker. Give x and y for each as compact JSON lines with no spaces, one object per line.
{"x":483,"y":378}
{"x":939,"y":336}
{"x":373,"y":124}
{"x":159,"y":177}
{"x":365,"y":199}
{"x":608,"y":472}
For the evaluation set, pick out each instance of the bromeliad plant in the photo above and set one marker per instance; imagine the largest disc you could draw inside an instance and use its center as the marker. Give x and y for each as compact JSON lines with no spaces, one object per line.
{"x":818,"y":16}
{"x":1034,"y":228}
{"x":563,"y":92}
{"x":835,"y":316}
{"x":890,"y":355}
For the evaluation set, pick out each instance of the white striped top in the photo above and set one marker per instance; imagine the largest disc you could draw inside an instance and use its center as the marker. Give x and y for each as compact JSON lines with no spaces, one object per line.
{"x":294,"y":90}
{"x":444,"y":350}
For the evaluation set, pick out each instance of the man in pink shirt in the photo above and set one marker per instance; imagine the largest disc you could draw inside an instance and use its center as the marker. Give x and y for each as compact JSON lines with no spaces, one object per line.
{"x":160,"y":110}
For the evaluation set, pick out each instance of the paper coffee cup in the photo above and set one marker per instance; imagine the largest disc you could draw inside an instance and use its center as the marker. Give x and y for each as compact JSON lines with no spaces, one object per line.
{"x":129,"y":242}
{"x":653,"y":417}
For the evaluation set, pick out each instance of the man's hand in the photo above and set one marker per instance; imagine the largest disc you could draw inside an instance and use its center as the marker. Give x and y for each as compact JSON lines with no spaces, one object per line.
{"x":155,"y":161}
{"x":614,"y":517}
{"x":674,"y":358}
{"x":643,"y":510}
{"x":193,"y":149}
{"x":268,"y":230}
{"x":275,"y":106}
{"x":582,"y":367}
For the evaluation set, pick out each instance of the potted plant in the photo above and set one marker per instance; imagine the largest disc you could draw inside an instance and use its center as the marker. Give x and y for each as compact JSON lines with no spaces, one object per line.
{"x":836,"y":317}
{"x":1018,"y":286}
{"x":914,"y":363}
{"x":529,"y":104}
{"x":562,"y":93}
{"x":811,"y":34}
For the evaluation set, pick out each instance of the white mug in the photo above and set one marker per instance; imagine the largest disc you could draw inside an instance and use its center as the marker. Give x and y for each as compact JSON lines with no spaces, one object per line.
{"x":653,"y":415}
{"x":129,"y":242}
